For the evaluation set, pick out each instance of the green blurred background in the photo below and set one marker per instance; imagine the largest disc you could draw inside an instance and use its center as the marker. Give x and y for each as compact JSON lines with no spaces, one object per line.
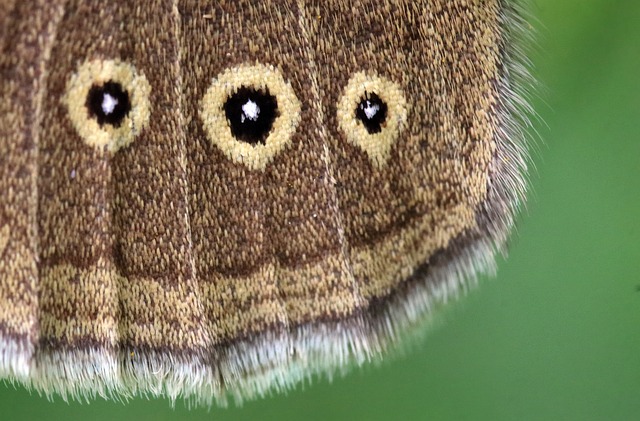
{"x":556,"y":336}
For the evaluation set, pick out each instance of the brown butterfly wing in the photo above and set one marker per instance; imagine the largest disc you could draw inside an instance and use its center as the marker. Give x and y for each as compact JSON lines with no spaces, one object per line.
{"x":161,"y":254}
{"x":25,"y":43}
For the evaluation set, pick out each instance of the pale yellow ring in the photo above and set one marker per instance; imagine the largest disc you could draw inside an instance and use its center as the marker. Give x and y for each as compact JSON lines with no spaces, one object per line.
{"x":260,"y":77}
{"x":377,"y":145}
{"x":98,"y":72}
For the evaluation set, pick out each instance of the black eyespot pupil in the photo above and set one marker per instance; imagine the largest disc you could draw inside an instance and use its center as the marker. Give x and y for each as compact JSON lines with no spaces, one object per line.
{"x":108,"y":103}
{"x":251,"y":114}
{"x":372,"y":112}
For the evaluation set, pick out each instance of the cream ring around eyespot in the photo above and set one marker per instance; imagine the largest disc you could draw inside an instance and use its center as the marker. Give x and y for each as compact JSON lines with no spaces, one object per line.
{"x":260,"y":77}
{"x":99,"y":72}
{"x":377,"y":146}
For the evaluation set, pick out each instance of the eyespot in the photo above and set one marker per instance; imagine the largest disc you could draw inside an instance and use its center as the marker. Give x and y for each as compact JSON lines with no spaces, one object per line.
{"x":372,"y":112}
{"x":108,"y":103}
{"x":250,"y":113}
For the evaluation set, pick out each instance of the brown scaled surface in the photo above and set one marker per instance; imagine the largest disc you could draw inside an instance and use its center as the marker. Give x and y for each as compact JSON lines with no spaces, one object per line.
{"x":167,"y":252}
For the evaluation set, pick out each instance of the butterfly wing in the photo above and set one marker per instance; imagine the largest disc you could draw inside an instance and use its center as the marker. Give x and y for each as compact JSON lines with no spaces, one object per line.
{"x":151,"y":242}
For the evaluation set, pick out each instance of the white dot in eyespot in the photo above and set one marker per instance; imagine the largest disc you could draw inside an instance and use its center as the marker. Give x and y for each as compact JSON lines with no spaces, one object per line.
{"x":250,"y":110}
{"x":109,"y":103}
{"x":370,"y":110}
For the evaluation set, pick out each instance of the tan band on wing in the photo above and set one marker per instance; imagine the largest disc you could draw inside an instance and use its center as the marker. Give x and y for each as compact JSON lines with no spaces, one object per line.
{"x":78,"y":304}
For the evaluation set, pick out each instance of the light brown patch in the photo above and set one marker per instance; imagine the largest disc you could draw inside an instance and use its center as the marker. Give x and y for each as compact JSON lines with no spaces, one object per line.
{"x":5,"y":232}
